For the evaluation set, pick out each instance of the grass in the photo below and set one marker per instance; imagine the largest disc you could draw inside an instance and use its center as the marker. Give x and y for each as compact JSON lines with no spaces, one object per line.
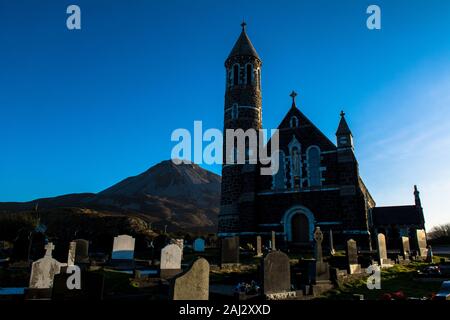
{"x":395,"y":279}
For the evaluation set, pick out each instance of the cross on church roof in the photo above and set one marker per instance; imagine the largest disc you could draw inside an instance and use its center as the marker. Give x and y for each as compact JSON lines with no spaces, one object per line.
{"x":342,"y":113}
{"x":243,"y":25}
{"x":49,"y":247}
{"x":293,"y":95}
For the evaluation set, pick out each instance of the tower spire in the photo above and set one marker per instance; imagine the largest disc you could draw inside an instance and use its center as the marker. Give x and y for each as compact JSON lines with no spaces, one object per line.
{"x":417,"y":197}
{"x":343,"y":134}
{"x":243,"y":45}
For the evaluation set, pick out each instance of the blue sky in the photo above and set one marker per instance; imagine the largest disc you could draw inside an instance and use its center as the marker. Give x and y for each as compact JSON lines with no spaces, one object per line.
{"x":81,"y":110}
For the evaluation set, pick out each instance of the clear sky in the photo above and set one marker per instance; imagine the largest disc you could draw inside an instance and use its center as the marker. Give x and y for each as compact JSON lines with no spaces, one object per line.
{"x":81,"y":110}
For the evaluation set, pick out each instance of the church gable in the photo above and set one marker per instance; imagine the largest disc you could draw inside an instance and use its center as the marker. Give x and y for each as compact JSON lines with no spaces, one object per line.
{"x":295,"y":123}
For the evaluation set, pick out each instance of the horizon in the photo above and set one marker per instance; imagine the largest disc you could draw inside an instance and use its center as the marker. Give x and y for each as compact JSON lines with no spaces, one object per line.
{"x":84,"y":110}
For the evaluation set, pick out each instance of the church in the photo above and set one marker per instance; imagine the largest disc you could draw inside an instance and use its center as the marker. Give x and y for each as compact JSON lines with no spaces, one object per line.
{"x":317,"y":184}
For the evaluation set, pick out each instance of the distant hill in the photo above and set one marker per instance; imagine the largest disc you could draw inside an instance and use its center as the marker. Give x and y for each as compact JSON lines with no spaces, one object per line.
{"x":184,"y":197}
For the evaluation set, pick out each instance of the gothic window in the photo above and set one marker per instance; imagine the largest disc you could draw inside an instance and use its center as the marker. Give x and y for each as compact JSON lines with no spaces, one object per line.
{"x":235,"y":74}
{"x":313,"y":158}
{"x":294,"y":122}
{"x":234,"y":111}
{"x":248,"y":74}
{"x":279,"y":177}
{"x":295,"y":163}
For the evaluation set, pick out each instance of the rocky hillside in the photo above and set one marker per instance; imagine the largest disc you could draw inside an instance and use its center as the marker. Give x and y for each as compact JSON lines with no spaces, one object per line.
{"x":184,"y":197}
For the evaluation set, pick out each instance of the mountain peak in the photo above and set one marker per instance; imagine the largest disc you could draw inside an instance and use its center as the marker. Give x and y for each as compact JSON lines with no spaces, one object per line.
{"x":166,"y":179}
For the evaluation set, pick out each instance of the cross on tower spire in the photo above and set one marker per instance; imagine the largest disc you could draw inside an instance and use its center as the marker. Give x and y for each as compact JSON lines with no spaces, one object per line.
{"x":243,"y":25}
{"x":293,"y":95}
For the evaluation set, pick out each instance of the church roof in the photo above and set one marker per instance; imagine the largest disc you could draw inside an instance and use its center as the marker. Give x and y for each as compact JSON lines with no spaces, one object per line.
{"x":243,"y":46}
{"x":306,"y":131}
{"x":397,"y":215}
{"x":343,"y":128}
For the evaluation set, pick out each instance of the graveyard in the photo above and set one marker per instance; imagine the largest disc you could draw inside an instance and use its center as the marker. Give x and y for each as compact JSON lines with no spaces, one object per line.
{"x":227,"y":270}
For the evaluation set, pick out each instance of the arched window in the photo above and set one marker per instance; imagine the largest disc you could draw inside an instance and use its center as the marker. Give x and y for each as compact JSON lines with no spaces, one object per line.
{"x":279,"y":177}
{"x":234,"y":111}
{"x":314,"y":174}
{"x":248,"y":74}
{"x":258,"y":78}
{"x":294,"y":122}
{"x":236,"y":74}
{"x":295,"y":163}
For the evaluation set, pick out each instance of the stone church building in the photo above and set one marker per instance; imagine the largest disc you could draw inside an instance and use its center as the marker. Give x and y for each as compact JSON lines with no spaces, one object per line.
{"x":318,"y":181}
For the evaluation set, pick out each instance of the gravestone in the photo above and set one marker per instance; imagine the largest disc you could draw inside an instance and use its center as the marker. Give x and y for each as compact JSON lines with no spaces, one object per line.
{"x":170,"y":261}
{"x":82,"y":251}
{"x":229,"y":251}
{"x":318,"y":237}
{"x":43,"y":271}
{"x":192,"y":284}
{"x":92,"y":286}
{"x":276,"y":273}
{"x":321,"y":270}
{"x":199,"y":245}
{"x":179,"y":243}
{"x":272,"y":241}
{"x":352,"y":256}
{"x":406,"y":249}
{"x":123,"y":248}
{"x":258,"y":246}
{"x":72,"y":253}
{"x":382,"y":251}
{"x":332,"y":251}
{"x":421,"y":239}
{"x":429,"y":258}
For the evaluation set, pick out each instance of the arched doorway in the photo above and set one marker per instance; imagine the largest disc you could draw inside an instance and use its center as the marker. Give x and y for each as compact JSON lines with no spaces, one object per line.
{"x":298,"y":224}
{"x":300,"y":228}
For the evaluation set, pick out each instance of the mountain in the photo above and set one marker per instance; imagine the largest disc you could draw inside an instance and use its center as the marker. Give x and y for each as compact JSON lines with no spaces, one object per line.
{"x":183,"y":197}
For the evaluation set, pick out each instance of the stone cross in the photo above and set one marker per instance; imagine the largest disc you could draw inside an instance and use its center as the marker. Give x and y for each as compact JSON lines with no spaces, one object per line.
{"x":318,"y":236}
{"x":49,"y":247}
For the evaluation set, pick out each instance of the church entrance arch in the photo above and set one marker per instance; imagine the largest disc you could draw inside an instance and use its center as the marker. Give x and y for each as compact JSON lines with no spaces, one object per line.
{"x":298,"y":224}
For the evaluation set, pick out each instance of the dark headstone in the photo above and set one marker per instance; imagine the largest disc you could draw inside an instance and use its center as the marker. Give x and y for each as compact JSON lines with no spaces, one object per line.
{"x":273,"y":240}
{"x":92,"y":285}
{"x":82,"y":251}
{"x":230,"y":250}
{"x":352,"y":256}
{"x":352,"y":252}
{"x":258,"y":246}
{"x":276,"y":273}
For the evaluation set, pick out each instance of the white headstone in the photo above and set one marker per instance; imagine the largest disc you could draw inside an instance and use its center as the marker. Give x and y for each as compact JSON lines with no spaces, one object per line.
{"x":72,"y":253}
{"x":199,"y":245}
{"x":123,"y":248}
{"x":170,"y":257}
{"x":421,"y":238}
{"x":44,"y":270}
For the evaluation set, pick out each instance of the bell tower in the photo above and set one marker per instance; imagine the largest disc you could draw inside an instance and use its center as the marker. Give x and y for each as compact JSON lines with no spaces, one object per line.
{"x":242,"y":110}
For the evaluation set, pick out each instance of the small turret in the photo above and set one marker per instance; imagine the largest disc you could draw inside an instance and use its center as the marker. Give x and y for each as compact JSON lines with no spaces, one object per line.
{"x":343,"y":134}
